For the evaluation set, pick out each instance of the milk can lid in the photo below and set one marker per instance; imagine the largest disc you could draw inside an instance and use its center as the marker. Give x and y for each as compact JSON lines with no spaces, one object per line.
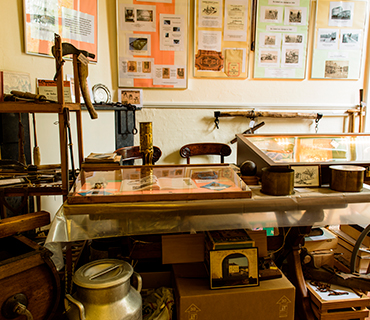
{"x":103,"y":273}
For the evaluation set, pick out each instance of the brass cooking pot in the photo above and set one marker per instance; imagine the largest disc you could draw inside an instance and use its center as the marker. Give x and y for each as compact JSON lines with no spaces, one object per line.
{"x":347,"y":178}
{"x":277,"y":181}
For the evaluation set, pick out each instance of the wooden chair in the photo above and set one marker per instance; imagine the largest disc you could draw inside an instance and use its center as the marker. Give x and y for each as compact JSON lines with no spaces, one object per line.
{"x":207,"y":148}
{"x":133,"y":152}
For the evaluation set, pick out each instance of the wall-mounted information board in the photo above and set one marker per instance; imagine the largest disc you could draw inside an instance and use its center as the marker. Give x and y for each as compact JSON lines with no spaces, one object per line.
{"x":75,"y":21}
{"x":152,"y":42}
{"x":221,"y":38}
{"x":338,"y":44}
{"x":281,"y":39}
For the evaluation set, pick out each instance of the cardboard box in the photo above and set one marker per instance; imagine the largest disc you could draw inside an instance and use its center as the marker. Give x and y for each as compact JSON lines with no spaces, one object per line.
{"x":182,"y":248}
{"x":273,"y":299}
{"x":189,"y":248}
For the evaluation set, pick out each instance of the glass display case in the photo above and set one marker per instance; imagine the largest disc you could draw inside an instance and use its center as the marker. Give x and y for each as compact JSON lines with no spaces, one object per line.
{"x":321,"y":150}
{"x":156,"y":183}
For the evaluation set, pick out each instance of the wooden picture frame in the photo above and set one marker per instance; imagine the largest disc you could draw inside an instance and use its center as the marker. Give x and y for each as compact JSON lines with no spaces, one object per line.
{"x":306,"y":176}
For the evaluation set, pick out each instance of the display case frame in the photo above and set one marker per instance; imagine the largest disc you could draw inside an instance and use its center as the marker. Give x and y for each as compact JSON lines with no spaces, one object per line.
{"x":112,"y":184}
{"x":323,"y":147}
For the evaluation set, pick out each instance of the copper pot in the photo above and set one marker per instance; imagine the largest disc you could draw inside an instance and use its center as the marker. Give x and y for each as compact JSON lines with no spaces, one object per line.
{"x":347,"y":178}
{"x":277,"y":181}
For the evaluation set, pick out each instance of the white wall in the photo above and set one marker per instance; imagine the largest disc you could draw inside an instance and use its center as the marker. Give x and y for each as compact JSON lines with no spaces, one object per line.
{"x":178,"y":116}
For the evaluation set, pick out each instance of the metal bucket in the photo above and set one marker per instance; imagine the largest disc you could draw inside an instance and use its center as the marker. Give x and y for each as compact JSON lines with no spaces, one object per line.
{"x":347,"y":178}
{"x":277,"y":181}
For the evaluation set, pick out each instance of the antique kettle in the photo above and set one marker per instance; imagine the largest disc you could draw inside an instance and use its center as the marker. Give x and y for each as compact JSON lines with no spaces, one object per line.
{"x":103,"y":291}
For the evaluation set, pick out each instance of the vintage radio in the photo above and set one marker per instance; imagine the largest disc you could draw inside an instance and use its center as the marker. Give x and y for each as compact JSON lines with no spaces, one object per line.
{"x":231,"y":259}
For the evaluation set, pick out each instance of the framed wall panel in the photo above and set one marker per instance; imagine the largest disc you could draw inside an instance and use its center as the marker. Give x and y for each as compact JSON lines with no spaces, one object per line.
{"x":281,"y":39}
{"x":75,"y":21}
{"x":152,"y":43}
{"x":339,"y":39}
{"x":221,"y":38}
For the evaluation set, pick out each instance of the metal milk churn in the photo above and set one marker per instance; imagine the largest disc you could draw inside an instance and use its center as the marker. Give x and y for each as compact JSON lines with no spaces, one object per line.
{"x":103,"y":291}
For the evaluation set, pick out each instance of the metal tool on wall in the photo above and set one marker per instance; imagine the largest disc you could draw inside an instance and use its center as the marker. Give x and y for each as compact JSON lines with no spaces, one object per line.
{"x":127,"y":108}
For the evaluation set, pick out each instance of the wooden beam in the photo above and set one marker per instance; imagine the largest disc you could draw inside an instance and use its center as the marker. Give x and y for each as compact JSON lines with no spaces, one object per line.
{"x":25,"y":222}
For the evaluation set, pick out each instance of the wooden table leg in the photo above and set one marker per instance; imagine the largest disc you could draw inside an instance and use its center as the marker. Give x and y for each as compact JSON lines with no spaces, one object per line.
{"x":303,"y":310}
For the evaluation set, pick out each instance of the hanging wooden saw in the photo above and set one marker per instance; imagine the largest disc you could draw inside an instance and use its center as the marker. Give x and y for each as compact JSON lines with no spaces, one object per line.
{"x":252,"y":114}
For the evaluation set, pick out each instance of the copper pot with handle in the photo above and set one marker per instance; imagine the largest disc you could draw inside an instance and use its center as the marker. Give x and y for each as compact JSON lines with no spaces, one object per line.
{"x":104,"y":292}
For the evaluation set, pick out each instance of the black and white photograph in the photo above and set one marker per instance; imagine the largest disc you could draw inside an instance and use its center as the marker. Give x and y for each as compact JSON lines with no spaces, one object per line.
{"x":295,"y":16}
{"x":291,"y":56}
{"x":306,"y":176}
{"x":144,"y":15}
{"x":271,"y":14}
{"x":293,"y":38}
{"x":269,"y":57}
{"x":350,"y":39}
{"x":327,"y":39}
{"x":129,"y":15}
{"x":341,"y":14}
{"x":271,"y":40}
{"x":336,"y":69}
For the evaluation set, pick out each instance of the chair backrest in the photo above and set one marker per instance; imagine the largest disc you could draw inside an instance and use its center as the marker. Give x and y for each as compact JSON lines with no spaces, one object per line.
{"x":205,"y":148}
{"x":133,"y":152}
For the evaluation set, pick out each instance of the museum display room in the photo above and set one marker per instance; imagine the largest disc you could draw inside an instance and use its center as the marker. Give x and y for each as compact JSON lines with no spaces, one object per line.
{"x":184,"y":159}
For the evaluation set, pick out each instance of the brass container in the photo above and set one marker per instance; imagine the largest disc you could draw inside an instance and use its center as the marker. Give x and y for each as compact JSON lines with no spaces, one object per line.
{"x":277,"y":181}
{"x":347,"y":178}
{"x":146,"y":142}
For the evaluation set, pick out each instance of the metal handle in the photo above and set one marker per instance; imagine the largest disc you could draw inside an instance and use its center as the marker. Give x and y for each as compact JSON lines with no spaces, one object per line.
{"x":104,"y":271}
{"x":14,"y":306}
{"x":21,"y":309}
{"x":78,"y":304}
{"x":139,"y":281}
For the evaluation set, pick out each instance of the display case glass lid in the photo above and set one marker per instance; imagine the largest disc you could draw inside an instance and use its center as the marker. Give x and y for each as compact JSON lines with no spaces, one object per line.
{"x":313,"y":148}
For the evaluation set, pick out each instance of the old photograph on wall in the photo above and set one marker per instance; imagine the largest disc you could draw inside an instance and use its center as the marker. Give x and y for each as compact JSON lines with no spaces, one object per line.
{"x":336,"y":69}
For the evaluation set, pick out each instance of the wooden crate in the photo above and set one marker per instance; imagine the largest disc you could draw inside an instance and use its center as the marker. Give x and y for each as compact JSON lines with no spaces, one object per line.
{"x":352,"y":305}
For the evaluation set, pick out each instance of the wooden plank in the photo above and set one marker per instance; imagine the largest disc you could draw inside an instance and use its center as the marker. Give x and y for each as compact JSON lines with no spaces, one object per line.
{"x":341,"y":315}
{"x":20,"y":264}
{"x":26,"y":222}
{"x":159,"y":197}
